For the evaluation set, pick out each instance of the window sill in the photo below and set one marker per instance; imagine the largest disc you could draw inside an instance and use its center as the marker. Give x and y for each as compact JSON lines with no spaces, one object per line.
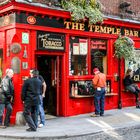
{"x":111,"y":94}
{"x":88,"y":96}
{"x":82,"y":96}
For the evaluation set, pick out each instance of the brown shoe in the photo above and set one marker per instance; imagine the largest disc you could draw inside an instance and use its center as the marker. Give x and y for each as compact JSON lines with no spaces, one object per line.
{"x":3,"y":126}
{"x":94,"y":115}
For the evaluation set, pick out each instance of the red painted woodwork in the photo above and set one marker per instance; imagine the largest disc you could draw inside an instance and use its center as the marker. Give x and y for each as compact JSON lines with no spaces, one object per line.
{"x":66,"y":106}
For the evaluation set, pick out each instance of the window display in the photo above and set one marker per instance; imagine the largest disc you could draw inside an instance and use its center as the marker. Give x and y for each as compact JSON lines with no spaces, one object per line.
{"x":85,"y":88}
{"x":99,"y":55}
{"x":78,"y":56}
{"x":79,"y":64}
{"x":79,"y":88}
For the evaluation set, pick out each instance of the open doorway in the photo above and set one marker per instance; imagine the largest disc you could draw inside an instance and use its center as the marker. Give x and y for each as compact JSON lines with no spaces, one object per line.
{"x":49,"y":68}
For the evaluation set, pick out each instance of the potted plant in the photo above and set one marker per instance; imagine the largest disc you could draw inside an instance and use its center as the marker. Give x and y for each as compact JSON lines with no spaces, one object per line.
{"x":81,"y":10}
{"x":124,"y":48}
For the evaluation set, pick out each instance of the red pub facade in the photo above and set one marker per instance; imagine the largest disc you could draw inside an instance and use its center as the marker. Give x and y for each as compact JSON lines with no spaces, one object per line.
{"x":65,"y":52}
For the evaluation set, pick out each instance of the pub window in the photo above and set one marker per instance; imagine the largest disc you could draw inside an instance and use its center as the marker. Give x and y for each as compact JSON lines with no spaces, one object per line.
{"x":99,"y":54}
{"x":78,"y":56}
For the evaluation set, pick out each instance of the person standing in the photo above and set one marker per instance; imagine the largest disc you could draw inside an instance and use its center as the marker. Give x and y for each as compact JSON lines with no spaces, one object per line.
{"x":8,"y":91}
{"x":41,"y":108}
{"x":99,"y":83}
{"x":31,"y":91}
{"x":131,"y":86}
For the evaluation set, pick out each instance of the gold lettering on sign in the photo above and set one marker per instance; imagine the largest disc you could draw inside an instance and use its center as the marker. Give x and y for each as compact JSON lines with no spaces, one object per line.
{"x":109,"y":30}
{"x":136,"y":33}
{"x":82,"y":26}
{"x":67,"y":24}
{"x":118,"y":31}
{"x":74,"y":26}
{"x":90,"y":27}
{"x":131,"y":33}
{"x":126,"y":32}
{"x":100,"y":29}
{"x":97,"y":29}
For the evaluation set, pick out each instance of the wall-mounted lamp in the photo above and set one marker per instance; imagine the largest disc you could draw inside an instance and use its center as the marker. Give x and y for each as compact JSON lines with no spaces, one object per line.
{"x":116,"y":77}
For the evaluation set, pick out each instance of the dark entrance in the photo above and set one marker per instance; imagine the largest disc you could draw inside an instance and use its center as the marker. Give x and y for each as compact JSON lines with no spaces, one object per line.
{"x":49,"y":68}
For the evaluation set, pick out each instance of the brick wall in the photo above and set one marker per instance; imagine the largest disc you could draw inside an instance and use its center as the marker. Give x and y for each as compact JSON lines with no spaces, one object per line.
{"x":111,"y":7}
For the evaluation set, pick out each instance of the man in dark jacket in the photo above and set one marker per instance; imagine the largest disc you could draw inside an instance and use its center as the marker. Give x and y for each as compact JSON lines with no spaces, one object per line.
{"x":31,"y":91}
{"x":8,"y":91}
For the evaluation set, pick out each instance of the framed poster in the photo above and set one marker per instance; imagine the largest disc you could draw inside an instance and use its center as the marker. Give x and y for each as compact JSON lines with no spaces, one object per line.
{"x":83,"y":46}
{"x":76,"y":49}
{"x":25,"y":38}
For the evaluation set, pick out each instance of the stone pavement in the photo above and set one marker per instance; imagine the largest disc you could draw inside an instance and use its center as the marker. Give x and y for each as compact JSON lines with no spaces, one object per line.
{"x":112,"y":126}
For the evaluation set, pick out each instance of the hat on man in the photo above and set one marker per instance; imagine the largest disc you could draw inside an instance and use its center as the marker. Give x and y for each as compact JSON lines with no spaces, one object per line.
{"x":95,"y":70}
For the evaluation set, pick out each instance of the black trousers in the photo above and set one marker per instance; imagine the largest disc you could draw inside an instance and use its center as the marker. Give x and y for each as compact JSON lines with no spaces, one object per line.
{"x":31,"y":115}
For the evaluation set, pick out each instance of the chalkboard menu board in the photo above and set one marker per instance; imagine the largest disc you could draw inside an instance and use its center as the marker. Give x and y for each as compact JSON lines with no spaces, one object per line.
{"x":50,"y":41}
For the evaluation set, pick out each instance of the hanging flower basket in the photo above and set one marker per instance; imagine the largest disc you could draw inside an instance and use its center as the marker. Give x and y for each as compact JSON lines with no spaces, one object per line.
{"x":124,"y":48}
{"x":81,"y":10}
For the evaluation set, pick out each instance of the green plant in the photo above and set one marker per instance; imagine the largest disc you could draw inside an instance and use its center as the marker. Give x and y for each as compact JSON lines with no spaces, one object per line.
{"x":124,"y":48}
{"x":81,"y":9}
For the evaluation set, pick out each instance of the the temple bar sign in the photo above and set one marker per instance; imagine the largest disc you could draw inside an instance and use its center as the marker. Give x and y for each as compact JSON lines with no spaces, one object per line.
{"x":50,"y":41}
{"x":101,"y":29}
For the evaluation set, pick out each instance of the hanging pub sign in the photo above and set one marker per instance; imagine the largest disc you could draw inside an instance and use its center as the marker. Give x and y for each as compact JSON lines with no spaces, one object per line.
{"x":50,"y":41}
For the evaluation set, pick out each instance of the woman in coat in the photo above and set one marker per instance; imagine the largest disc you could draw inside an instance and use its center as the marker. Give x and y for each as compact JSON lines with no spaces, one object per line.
{"x":131,"y":86}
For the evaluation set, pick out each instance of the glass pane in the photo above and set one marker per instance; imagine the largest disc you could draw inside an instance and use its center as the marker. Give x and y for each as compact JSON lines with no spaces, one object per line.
{"x":99,"y":55}
{"x":81,"y":88}
{"x":78,"y":56}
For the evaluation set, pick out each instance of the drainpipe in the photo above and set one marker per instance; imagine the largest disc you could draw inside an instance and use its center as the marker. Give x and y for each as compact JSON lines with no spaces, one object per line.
{"x":119,"y":85}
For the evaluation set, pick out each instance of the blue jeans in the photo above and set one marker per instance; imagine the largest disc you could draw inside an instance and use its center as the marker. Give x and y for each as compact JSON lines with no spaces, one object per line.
{"x":2,"y":106}
{"x":41,"y":111}
{"x":99,"y":100}
{"x":9,"y":109}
